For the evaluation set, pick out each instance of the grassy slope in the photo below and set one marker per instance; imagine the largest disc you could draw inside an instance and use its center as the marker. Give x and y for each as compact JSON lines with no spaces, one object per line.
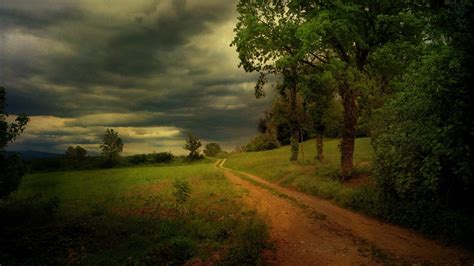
{"x":306,"y":175}
{"x":128,"y":216}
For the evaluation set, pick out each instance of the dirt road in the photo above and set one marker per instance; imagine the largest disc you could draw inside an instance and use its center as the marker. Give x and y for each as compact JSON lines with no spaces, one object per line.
{"x":312,"y":231}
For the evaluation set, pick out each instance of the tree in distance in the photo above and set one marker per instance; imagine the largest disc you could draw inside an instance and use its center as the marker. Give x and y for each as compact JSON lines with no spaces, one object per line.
{"x":76,"y":155}
{"x":11,"y":167}
{"x":192,"y":145}
{"x":212,"y":149}
{"x":112,"y":146}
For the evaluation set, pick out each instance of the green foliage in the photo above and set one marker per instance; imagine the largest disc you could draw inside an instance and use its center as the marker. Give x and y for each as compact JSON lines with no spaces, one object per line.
{"x":332,"y":119}
{"x":9,"y":131}
{"x":262,"y":142}
{"x":181,"y":191}
{"x":138,"y":159}
{"x":112,"y":147}
{"x":212,"y":149}
{"x":279,"y":122}
{"x":12,"y":171}
{"x":422,"y":147}
{"x":162,"y":157}
{"x":11,"y":167}
{"x":192,"y":145}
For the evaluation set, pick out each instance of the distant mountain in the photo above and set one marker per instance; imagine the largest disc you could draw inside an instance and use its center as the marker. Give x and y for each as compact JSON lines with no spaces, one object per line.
{"x":31,"y":154}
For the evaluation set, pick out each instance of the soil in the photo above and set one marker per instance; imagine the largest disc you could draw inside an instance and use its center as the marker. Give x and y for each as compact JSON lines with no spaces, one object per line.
{"x":308,"y":230}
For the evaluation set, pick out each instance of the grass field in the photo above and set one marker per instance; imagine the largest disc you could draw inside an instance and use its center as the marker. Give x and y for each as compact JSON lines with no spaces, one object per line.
{"x":139,"y":215}
{"x":308,"y":174}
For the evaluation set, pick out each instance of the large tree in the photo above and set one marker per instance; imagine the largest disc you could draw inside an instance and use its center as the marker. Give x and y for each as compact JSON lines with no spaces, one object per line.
{"x":351,"y":34}
{"x":11,"y":167}
{"x":266,"y":43}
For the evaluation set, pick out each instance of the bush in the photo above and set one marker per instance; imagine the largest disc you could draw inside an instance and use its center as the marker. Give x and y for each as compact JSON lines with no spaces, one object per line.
{"x":422,"y":144}
{"x":212,"y":149}
{"x":162,"y":157}
{"x":11,"y":172}
{"x":138,"y":159}
{"x":262,"y":143}
{"x":181,"y":190}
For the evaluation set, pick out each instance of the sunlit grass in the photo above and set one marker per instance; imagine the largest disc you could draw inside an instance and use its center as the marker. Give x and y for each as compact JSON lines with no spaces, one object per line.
{"x":307,"y":174}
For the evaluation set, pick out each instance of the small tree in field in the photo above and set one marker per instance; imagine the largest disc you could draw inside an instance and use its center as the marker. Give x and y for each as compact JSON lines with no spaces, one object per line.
{"x":212,"y":149}
{"x":112,"y":146}
{"x":192,"y":145}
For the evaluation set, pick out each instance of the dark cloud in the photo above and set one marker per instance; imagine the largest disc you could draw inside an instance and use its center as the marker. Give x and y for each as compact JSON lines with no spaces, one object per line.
{"x":141,"y":64}
{"x":35,"y":15}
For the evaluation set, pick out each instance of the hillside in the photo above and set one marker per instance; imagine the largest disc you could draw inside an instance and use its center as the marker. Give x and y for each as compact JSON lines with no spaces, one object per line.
{"x":308,"y":174}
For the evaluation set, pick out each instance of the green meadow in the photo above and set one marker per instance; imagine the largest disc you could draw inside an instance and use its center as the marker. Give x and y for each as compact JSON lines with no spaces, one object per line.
{"x":308,"y":174}
{"x":140,"y":215}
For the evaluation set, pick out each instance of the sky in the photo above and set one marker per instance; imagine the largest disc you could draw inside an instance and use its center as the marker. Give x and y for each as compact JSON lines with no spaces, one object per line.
{"x":153,"y":70}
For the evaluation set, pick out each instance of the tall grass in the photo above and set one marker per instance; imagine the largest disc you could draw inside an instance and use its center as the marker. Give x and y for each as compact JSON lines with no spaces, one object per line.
{"x":129,"y":216}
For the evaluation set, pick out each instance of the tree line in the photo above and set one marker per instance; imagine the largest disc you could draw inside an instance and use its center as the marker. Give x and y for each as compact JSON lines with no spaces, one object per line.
{"x":13,"y":168}
{"x":77,"y":157}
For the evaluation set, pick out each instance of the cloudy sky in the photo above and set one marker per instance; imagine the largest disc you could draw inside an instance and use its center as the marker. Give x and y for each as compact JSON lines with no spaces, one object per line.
{"x":154,"y":70}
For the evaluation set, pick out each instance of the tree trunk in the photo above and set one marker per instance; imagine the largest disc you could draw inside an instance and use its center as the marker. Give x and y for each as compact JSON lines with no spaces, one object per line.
{"x":348,"y":130}
{"x":319,"y":147}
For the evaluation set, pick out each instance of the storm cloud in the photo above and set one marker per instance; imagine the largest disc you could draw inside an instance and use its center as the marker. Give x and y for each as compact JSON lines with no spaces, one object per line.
{"x":153,"y":70}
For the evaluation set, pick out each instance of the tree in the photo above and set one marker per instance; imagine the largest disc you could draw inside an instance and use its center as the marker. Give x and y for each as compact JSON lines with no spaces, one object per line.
{"x":350,"y":34}
{"x":422,"y":137}
{"x":11,"y":167}
{"x":112,"y":146}
{"x":212,"y":149}
{"x":192,"y":145}
{"x":266,"y":43}
{"x":76,"y":155}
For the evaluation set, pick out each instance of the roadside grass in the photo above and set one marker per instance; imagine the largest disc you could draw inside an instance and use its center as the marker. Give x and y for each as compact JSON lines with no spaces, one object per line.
{"x":130,"y":216}
{"x":359,"y":193}
{"x":308,"y":175}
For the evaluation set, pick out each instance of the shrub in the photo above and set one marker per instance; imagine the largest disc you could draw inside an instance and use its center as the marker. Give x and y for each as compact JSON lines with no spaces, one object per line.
{"x":138,"y":159}
{"x":212,"y":149}
{"x":181,"y":190}
{"x":12,"y":170}
{"x":262,"y":143}
{"x":76,"y":155}
{"x":162,"y":157}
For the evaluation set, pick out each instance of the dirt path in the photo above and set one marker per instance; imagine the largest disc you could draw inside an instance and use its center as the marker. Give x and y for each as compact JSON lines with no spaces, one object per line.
{"x":311,"y":231}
